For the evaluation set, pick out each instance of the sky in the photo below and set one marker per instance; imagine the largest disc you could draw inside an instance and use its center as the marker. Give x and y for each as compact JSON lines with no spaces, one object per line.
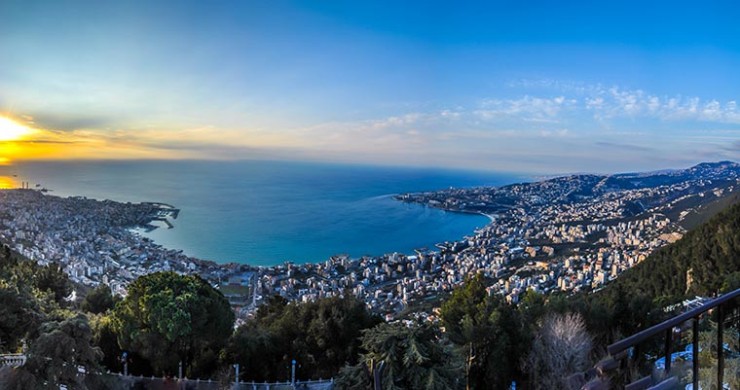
{"x":519,"y":86}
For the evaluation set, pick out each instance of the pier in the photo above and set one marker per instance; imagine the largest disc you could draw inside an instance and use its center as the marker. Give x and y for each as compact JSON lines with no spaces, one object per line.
{"x":165,"y":210}
{"x":165,"y":220}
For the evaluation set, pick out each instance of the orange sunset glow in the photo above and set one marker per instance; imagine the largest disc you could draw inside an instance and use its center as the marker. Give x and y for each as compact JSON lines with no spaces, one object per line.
{"x":13,"y":131}
{"x":7,"y":182}
{"x":18,"y":142}
{"x":22,"y":139}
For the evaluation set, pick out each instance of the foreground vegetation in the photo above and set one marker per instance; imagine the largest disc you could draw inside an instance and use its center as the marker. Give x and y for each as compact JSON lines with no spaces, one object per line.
{"x":478,"y":342}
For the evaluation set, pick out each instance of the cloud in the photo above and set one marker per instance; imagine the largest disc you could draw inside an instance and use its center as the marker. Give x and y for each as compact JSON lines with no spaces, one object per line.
{"x":545,"y":131}
{"x":555,"y":133}
{"x":615,"y":102}
{"x":205,"y":142}
{"x":733,"y":147}
{"x":622,"y":146}
{"x":562,"y":86}
{"x":527,"y":108}
{"x":40,"y":141}
{"x":596,"y":103}
{"x":588,"y":115}
{"x":69,"y":121}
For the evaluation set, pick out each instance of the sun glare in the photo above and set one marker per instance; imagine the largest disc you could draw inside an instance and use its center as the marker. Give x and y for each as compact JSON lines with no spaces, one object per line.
{"x":7,"y":182}
{"x":12,"y":131}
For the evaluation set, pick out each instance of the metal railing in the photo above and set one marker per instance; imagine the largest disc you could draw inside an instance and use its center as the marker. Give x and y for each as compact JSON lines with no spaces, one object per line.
{"x":132,"y":381}
{"x":13,"y":360}
{"x":625,"y":355}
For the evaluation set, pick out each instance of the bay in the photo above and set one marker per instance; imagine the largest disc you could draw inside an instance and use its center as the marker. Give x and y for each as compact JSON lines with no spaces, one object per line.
{"x":268,"y":212}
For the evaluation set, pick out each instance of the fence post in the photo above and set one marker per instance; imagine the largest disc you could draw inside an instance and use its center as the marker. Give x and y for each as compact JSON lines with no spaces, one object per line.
{"x":292,"y":373}
{"x":124,"y":358}
{"x":668,"y":342}
{"x":695,"y":353}
{"x":720,"y":347}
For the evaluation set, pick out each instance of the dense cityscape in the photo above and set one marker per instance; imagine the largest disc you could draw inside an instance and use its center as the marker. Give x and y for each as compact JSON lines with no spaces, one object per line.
{"x":564,"y":234}
{"x":354,"y":195}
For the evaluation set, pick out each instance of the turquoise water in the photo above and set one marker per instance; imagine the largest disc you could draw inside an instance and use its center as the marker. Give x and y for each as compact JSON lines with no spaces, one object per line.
{"x":264,"y":213}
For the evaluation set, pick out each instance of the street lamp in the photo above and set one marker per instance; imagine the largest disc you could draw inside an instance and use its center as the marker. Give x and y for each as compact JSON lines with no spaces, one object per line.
{"x":292,"y":374}
{"x":124,"y":360}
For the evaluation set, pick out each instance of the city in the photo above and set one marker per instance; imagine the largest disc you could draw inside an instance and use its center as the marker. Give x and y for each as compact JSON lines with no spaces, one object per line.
{"x":565,"y":234}
{"x":346,"y":195}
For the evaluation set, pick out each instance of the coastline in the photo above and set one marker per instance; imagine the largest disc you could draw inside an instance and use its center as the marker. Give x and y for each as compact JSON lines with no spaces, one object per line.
{"x":337,"y":253}
{"x":464,"y":228}
{"x":491,"y":217}
{"x":131,"y":236}
{"x":263,"y":213}
{"x":92,"y":240}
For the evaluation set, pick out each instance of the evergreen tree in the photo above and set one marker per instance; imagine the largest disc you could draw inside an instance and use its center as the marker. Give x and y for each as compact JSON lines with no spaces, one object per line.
{"x":488,"y":333}
{"x":63,"y":354}
{"x":98,"y":300}
{"x":168,"y":318}
{"x":413,"y":356}
{"x":322,"y":336}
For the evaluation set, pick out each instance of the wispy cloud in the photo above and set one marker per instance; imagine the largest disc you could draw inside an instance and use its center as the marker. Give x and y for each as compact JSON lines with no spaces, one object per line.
{"x":203,"y":142}
{"x":70,"y":121}
{"x":555,"y":133}
{"x":624,"y":146}
{"x":563,"y":127}
{"x":40,"y":141}
{"x":527,"y":108}
{"x":617,"y":102}
{"x":733,"y":147}
{"x":607,"y":102}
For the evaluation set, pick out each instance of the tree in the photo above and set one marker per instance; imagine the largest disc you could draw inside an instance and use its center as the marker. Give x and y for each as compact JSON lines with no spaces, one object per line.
{"x":533,"y":306}
{"x":53,"y":279}
{"x":708,"y":253}
{"x":169,"y":318}
{"x":19,"y":315}
{"x":104,"y":337}
{"x":413,"y":357}
{"x":322,"y":336}
{"x":333,"y":327}
{"x":98,"y":300}
{"x":560,"y":349}
{"x":708,"y":363}
{"x":60,"y":355}
{"x":487,"y":331}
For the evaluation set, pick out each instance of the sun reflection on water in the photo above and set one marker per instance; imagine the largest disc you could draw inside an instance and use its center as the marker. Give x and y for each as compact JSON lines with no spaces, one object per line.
{"x":8,"y":182}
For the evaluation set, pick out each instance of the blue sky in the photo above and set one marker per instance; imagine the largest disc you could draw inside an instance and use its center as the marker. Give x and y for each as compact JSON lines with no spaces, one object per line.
{"x":539,"y":87}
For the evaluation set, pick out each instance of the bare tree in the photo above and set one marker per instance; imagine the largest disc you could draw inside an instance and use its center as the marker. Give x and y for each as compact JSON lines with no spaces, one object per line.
{"x":560,"y":349}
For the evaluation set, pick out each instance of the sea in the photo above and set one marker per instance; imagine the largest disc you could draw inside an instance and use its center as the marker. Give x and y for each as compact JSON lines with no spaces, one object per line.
{"x":264,"y":213}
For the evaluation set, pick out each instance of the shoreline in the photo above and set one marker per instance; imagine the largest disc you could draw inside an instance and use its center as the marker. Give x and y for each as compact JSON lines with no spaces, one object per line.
{"x":165,"y":213}
{"x":491,"y":217}
{"x":352,"y":256}
{"x":367,"y":220}
{"x":89,"y":238}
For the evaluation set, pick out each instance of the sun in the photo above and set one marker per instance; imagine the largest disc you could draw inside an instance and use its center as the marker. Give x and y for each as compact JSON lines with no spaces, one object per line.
{"x":12,"y":131}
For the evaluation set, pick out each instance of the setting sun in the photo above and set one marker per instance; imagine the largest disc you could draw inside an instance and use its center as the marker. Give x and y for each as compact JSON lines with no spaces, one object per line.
{"x":12,"y":131}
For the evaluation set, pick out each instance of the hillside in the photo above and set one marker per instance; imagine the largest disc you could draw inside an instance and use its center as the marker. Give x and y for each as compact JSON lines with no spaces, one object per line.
{"x":704,"y":262}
